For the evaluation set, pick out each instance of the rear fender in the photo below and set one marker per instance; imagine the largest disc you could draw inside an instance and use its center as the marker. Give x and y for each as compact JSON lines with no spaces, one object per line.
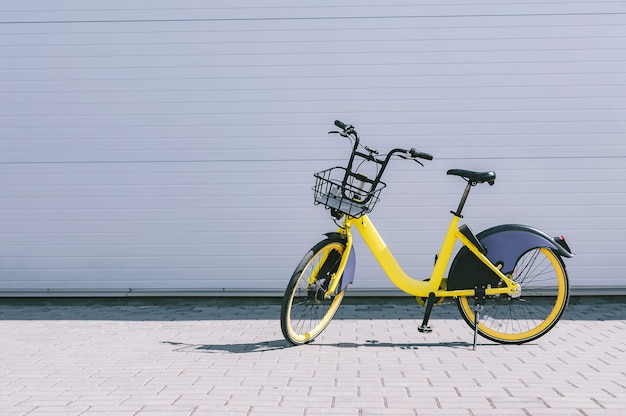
{"x":505,"y":244}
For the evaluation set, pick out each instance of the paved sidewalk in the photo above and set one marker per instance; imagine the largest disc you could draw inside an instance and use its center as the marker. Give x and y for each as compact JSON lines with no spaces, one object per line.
{"x":198,"y":356}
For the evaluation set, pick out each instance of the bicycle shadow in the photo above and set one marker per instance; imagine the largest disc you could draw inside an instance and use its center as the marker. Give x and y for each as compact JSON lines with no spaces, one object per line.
{"x":230,"y":348}
{"x":275,"y":345}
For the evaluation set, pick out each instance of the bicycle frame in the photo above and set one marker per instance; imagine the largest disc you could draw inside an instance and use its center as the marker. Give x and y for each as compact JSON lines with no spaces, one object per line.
{"x":408,"y":284}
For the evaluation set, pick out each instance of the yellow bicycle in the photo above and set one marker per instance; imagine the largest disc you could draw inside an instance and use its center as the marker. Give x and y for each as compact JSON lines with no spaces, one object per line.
{"x":509,"y":281}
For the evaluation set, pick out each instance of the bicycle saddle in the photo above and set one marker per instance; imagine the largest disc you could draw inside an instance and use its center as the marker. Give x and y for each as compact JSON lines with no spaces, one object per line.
{"x":478,"y":177}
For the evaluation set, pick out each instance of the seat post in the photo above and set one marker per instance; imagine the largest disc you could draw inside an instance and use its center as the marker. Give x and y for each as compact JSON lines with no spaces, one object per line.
{"x":470,"y":183}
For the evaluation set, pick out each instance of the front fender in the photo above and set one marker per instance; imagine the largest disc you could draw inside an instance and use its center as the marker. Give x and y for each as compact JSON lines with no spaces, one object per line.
{"x":505,"y":244}
{"x":348,"y":273}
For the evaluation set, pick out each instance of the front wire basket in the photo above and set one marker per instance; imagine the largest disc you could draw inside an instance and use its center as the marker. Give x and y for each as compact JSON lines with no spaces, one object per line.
{"x":346,"y":192}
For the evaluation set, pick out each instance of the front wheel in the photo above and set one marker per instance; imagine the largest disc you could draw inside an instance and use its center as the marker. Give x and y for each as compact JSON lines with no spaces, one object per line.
{"x":305,"y":309}
{"x":545,"y":293}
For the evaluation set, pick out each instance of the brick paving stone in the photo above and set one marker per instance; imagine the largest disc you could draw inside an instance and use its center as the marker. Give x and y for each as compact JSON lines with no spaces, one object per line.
{"x":219,"y":356}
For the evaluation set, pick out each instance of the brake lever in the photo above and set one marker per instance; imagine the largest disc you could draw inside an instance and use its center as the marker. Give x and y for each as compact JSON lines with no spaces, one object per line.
{"x":408,"y":156}
{"x":341,"y":133}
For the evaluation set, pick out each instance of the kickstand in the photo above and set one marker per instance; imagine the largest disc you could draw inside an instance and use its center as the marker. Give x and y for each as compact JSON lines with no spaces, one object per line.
{"x":479,"y":305}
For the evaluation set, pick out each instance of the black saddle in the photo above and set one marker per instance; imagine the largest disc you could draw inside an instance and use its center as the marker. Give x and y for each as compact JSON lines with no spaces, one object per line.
{"x":476,"y":177}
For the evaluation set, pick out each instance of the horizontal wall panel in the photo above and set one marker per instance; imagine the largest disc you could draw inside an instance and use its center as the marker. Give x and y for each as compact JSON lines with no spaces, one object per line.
{"x":161,"y":148}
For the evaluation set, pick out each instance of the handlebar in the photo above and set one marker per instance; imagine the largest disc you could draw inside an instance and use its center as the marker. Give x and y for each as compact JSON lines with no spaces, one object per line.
{"x":376,"y":164}
{"x":348,"y":129}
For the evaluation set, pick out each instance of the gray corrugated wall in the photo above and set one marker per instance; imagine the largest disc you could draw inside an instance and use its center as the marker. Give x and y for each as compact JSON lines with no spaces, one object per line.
{"x":151,"y":147}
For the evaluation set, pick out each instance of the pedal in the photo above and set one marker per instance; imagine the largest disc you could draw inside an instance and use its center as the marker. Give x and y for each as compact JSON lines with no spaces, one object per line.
{"x":425,"y":329}
{"x":430,"y":302}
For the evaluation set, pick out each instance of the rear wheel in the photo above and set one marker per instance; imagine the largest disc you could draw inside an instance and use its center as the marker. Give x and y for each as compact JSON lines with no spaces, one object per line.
{"x":545,"y":293}
{"x":305,"y":309}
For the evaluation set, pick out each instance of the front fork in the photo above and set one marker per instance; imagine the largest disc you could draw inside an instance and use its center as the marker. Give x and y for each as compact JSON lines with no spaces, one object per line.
{"x":335,"y":278}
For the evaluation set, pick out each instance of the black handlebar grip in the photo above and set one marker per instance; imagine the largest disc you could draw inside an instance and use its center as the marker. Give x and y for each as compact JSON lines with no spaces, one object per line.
{"x":421,"y":155}
{"x":340,"y":124}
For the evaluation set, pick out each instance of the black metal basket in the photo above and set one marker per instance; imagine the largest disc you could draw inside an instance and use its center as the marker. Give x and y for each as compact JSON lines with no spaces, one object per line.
{"x":346,"y":192}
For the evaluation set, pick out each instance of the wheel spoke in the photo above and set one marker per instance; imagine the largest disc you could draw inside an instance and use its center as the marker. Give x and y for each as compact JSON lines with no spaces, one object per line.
{"x":545,"y":293}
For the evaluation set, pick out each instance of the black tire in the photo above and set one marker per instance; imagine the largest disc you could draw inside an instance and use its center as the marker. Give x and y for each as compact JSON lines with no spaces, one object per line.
{"x":305,"y":311}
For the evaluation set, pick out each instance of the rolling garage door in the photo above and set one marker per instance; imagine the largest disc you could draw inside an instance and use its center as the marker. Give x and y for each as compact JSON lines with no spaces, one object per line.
{"x":147,"y":148}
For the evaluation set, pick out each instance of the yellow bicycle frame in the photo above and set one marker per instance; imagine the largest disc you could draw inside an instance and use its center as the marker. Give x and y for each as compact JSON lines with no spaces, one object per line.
{"x":418,"y":288}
